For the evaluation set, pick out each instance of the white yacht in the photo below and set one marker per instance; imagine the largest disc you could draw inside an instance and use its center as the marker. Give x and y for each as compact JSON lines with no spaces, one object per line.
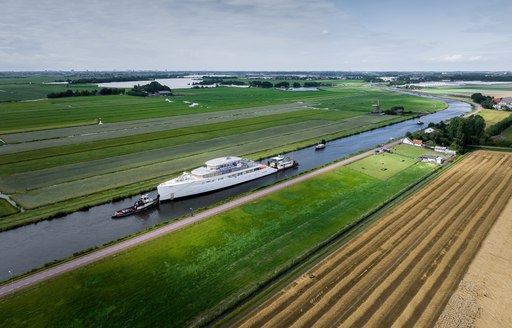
{"x":216,"y":174}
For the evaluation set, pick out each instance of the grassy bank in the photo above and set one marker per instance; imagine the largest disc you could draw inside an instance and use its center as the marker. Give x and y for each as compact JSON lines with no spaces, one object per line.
{"x":6,"y":208}
{"x":204,"y":268}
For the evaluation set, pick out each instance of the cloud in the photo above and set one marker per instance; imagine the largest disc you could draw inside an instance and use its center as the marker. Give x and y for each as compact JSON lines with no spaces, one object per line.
{"x":458,"y":58}
{"x":236,"y":35}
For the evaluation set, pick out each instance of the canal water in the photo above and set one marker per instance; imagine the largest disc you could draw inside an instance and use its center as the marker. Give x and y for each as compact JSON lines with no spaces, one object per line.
{"x":32,"y":246}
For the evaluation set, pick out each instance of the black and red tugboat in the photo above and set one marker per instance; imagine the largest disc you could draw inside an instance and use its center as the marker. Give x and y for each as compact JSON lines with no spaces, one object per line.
{"x":145,"y":202}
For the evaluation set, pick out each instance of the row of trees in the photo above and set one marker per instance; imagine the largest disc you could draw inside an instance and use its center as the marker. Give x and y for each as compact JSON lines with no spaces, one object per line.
{"x":457,"y":134}
{"x":485,"y":101}
{"x":85,"y":93}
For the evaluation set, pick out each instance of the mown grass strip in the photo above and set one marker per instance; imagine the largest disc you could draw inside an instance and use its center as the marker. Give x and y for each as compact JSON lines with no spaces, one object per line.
{"x":6,"y":208}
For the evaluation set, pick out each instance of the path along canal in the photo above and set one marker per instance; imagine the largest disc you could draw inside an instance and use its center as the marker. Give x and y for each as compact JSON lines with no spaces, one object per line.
{"x":31,"y":246}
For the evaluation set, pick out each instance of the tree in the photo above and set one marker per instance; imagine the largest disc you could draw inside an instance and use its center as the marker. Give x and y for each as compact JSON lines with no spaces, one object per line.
{"x":296,"y":85}
{"x":266,"y":84}
{"x":283,"y":84}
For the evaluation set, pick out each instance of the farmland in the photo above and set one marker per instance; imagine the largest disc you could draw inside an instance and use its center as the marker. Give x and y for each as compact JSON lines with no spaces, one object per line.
{"x":492,"y":117}
{"x":6,"y":208}
{"x":402,"y":270}
{"x":496,"y":90}
{"x":229,"y":255}
{"x":57,"y":158}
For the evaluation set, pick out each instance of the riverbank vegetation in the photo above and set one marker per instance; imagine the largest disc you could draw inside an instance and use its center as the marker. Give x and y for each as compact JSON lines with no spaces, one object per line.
{"x":165,"y":281}
{"x":6,"y":208}
{"x":145,"y":140}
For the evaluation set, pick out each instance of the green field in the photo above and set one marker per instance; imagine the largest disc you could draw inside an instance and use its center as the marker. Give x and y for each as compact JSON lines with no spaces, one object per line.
{"x":413,"y":151}
{"x":492,"y":117}
{"x":31,"y":88}
{"x":193,"y":273}
{"x":507,"y":134}
{"x":467,"y":90}
{"x":6,"y":208}
{"x":146,"y":140}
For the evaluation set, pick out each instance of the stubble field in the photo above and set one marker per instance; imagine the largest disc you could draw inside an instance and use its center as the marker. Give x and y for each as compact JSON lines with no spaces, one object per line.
{"x":403,"y":269}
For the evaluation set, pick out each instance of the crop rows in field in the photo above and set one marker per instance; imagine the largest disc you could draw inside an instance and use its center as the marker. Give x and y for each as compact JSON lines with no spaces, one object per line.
{"x":402,"y":270}
{"x":58,"y":137}
{"x":88,"y":151}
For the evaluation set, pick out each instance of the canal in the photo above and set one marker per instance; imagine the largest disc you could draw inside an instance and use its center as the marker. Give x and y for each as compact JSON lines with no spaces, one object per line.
{"x":32,"y":246}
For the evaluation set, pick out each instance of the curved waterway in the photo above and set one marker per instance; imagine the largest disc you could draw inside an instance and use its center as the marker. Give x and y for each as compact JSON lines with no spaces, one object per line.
{"x":32,"y":246}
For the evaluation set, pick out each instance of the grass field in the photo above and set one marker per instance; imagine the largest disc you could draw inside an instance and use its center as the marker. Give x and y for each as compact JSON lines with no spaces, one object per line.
{"x":497,"y":90}
{"x":507,"y":134}
{"x":49,"y":170}
{"x":25,"y":89}
{"x":413,"y":151}
{"x":492,"y":117}
{"x":194,"y":272}
{"x":6,"y":208}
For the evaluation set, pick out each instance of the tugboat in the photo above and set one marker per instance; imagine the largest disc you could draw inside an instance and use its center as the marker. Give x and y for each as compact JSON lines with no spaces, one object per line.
{"x":281,"y":163}
{"x":142,"y":204}
{"x":321,"y":145}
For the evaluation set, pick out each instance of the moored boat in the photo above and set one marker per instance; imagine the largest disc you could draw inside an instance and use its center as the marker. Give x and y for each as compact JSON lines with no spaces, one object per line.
{"x":218,"y":173}
{"x":280,"y":162}
{"x":145,"y":202}
{"x":320,"y":145}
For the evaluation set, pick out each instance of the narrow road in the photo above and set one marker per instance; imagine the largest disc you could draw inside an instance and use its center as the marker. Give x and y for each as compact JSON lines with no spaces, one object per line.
{"x":40,"y":276}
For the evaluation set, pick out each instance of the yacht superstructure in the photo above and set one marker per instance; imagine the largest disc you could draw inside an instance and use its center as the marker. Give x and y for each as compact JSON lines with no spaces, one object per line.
{"x":216,"y":174}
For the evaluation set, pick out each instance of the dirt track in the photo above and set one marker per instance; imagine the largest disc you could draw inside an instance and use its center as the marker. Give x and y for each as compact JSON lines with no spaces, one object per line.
{"x":402,"y":270}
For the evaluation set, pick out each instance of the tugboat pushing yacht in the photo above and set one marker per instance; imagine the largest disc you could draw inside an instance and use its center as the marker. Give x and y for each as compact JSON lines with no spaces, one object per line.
{"x":145,"y":202}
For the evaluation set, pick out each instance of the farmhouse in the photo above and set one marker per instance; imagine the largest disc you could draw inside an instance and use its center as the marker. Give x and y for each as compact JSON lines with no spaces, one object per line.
{"x":413,"y":142}
{"x":505,"y":103}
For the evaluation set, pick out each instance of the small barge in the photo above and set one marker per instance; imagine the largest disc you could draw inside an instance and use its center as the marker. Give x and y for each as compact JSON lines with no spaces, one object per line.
{"x":145,"y":202}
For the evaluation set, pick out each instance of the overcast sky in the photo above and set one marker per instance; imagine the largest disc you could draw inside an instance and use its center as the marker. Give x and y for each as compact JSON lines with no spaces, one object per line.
{"x":255,"y":35}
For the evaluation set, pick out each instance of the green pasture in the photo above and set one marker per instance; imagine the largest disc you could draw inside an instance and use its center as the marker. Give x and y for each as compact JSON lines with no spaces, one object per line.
{"x":492,"y":116}
{"x":28,"y":91}
{"x":383,"y":165}
{"x":507,"y":134}
{"x":195,"y":272}
{"x":6,"y":208}
{"x":468,"y":90}
{"x":62,"y":112}
{"x":413,"y":151}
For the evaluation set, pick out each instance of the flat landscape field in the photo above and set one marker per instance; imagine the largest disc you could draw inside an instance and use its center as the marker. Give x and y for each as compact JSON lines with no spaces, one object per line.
{"x":497,"y":90}
{"x":56,"y":158}
{"x":192,"y":274}
{"x":492,"y":117}
{"x":402,"y":270}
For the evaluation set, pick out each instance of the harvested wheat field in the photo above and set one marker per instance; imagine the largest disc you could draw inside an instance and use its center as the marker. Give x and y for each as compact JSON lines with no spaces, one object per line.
{"x":483,"y":298}
{"x":402,"y":270}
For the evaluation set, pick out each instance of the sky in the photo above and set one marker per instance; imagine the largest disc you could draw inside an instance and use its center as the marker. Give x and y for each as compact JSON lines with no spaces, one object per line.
{"x":256,"y":35}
